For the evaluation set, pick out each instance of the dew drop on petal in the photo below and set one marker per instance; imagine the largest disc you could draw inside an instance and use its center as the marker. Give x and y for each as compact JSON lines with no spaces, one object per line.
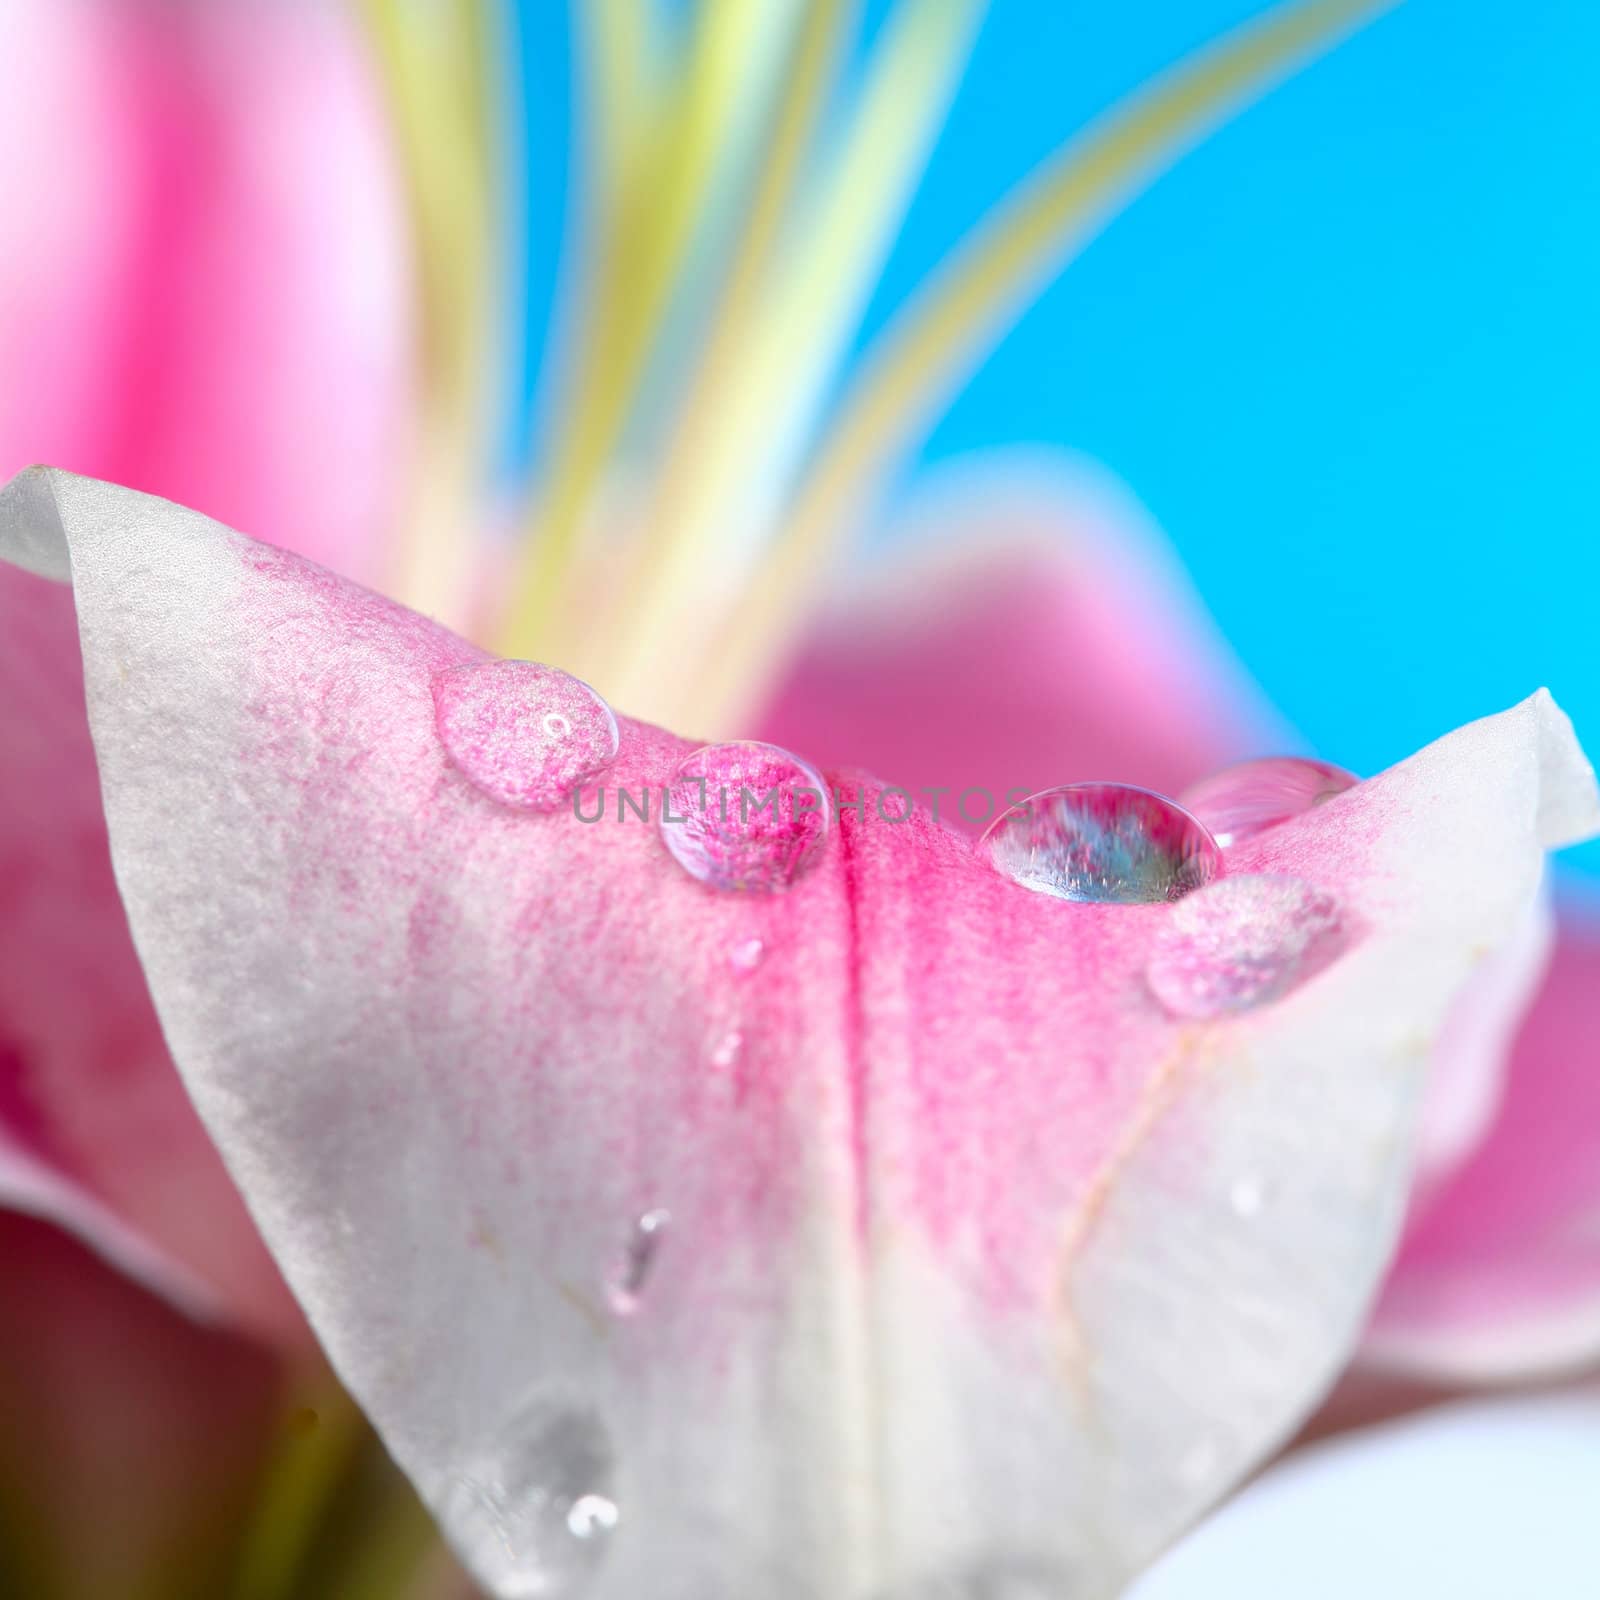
{"x":1107,"y":842}
{"x":1242,"y":942}
{"x":745,"y":816}
{"x":1242,"y":801}
{"x":592,"y":1516}
{"x":746,"y":955}
{"x":525,"y":734}
{"x":636,"y":1259}
{"x":727,"y":1049}
{"x":534,"y":1514}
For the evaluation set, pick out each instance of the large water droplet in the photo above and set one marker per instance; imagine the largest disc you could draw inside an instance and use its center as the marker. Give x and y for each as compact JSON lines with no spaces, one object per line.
{"x":745,"y":816}
{"x":1103,"y":842}
{"x":526,"y":734}
{"x":1240,"y":802}
{"x":746,"y":955}
{"x":534,"y":1515}
{"x":1240,"y":943}
{"x":727,"y":1049}
{"x":635,"y":1261}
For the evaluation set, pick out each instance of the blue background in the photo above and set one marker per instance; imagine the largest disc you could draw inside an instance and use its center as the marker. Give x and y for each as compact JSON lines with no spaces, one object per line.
{"x":1346,"y":351}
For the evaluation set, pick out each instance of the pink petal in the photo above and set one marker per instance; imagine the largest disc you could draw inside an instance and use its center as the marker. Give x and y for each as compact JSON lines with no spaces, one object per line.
{"x":96,"y":1131}
{"x":960,"y":1276}
{"x":213,"y":303}
{"x":1033,"y":633}
{"x":213,"y":300}
{"x":1499,"y":1273}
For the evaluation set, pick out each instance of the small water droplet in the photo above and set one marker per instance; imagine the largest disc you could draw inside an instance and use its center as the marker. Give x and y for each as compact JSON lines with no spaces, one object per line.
{"x":1247,"y":1196}
{"x":1106,"y":842}
{"x":1242,"y":801}
{"x":1242,"y":942}
{"x":526,"y":734}
{"x":727,"y":1049}
{"x":745,"y":816}
{"x":635,"y":1261}
{"x":592,"y":1516}
{"x":746,"y":955}
{"x":533,"y":1515}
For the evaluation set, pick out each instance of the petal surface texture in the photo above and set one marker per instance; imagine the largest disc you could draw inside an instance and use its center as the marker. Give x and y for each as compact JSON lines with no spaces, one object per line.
{"x":979,"y":1264}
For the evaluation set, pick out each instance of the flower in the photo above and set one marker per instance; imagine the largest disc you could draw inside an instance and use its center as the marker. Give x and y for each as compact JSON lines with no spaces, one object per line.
{"x":94,"y":1129}
{"x":958,"y":1273}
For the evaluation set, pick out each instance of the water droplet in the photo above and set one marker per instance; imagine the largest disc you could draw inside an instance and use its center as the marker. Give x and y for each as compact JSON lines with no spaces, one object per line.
{"x":1240,"y":943}
{"x":746,"y":955}
{"x":1247,"y":1196}
{"x":727,"y":1049}
{"x":526,"y":734}
{"x":745,"y":816}
{"x":1240,"y":802}
{"x":533,"y":1516}
{"x":592,"y":1516}
{"x":634,"y":1262}
{"x":1103,"y":842}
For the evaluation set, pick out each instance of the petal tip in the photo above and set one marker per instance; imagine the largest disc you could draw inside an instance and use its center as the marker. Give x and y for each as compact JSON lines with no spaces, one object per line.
{"x":1569,"y":800}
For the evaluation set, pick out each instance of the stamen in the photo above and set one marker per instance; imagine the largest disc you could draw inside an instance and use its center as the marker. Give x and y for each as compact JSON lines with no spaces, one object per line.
{"x":783,"y":331}
{"x":435,"y":68}
{"x":642,"y":249}
{"x":1012,"y":254}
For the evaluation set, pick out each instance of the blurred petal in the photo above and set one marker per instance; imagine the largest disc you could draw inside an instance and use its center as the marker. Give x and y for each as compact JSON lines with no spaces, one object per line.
{"x":1034,"y":631}
{"x":1476,"y":1502}
{"x":1499,"y":1273}
{"x":96,"y":1130}
{"x":926,"y":1307}
{"x":213,"y":303}
{"x":130,"y":1438}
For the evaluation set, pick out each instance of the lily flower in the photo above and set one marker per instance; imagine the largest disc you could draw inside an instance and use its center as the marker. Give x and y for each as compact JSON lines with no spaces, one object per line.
{"x":904,"y":1227}
{"x":821,"y":1242}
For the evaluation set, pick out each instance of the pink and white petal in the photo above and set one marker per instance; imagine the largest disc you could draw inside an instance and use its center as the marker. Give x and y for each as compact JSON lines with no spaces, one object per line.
{"x":1034,"y":629}
{"x":1027,"y":628}
{"x":96,"y":1131}
{"x":958,"y":1278}
{"x":1499,"y":1272}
